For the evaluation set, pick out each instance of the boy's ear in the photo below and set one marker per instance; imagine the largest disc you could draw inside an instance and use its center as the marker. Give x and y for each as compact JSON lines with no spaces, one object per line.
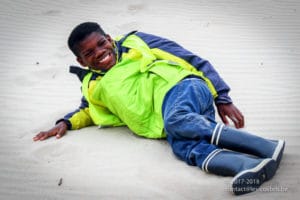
{"x":81,"y":62}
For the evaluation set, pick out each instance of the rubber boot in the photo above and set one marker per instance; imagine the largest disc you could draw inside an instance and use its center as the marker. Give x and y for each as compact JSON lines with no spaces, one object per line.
{"x":249,"y":172}
{"x":241,"y":141}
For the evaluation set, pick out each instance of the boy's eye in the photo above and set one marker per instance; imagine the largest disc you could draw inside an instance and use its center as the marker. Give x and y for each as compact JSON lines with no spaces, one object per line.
{"x":89,"y":53}
{"x":101,"y":43}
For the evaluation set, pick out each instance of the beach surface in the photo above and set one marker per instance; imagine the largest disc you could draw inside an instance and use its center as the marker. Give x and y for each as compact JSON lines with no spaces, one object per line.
{"x":254,"y":45}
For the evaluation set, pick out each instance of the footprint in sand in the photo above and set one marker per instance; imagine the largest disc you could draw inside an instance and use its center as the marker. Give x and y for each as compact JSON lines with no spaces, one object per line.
{"x":51,"y":13}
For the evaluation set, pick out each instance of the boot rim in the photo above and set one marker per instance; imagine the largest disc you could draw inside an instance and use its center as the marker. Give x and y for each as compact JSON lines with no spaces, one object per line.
{"x":278,"y":150}
{"x":208,"y":159}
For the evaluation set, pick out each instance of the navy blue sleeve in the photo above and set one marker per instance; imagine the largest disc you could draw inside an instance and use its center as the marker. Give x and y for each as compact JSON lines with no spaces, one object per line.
{"x":200,"y":64}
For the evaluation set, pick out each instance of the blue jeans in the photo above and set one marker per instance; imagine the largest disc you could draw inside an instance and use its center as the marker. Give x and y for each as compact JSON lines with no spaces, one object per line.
{"x":189,"y":120}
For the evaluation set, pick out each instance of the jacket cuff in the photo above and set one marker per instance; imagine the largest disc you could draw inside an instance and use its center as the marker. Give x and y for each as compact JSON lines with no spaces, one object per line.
{"x":69,"y":125}
{"x":223,"y":99}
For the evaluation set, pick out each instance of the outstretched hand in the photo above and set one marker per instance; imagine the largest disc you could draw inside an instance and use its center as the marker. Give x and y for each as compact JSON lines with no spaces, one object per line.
{"x":58,"y":130}
{"x":232,"y":112}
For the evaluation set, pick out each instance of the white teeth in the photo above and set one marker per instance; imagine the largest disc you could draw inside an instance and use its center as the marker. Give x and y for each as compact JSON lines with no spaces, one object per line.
{"x":104,"y":59}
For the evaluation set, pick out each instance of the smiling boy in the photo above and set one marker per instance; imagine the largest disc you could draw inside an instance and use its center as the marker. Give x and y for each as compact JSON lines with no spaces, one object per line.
{"x":159,"y":89}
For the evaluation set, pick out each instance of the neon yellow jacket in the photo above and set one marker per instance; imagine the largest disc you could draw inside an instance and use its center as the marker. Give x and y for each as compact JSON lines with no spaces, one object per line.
{"x":131,"y":93}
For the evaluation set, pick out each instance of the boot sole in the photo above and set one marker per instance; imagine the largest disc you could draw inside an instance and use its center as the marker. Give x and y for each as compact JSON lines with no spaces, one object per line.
{"x":277,"y":155}
{"x":250,"y":180}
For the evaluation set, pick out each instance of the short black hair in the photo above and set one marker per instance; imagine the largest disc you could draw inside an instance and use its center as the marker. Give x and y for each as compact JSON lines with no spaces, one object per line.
{"x":80,"y":32}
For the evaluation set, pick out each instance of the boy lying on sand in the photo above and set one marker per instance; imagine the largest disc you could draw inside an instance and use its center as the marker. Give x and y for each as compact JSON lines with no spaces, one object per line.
{"x":158,"y":89}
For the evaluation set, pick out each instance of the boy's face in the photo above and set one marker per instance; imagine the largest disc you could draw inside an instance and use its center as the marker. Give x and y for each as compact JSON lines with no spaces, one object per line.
{"x":97,"y":52}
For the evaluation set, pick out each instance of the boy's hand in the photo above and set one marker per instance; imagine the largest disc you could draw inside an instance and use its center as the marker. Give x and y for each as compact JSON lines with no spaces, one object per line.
{"x":58,"y":130}
{"x":232,"y":112}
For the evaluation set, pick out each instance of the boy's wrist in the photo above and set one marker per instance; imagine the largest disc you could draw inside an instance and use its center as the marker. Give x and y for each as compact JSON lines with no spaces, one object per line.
{"x":67,"y":122}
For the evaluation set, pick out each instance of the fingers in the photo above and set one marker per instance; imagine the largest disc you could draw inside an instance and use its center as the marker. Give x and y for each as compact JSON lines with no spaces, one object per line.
{"x":224,"y":119}
{"x":58,"y":130}
{"x":60,"y":133}
{"x":45,"y":134}
{"x":233,"y":113}
{"x":36,"y":138}
{"x":235,"y":121}
{"x":241,"y":121}
{"x":41,"y":136}
{"x":238,"y":119}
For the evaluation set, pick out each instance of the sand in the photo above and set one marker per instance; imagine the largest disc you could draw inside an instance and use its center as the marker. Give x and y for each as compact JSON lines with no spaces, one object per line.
{"x":253,"y":44}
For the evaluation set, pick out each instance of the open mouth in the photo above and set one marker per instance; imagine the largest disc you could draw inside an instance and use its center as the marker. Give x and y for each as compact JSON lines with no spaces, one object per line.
{"x":105,"y":59}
